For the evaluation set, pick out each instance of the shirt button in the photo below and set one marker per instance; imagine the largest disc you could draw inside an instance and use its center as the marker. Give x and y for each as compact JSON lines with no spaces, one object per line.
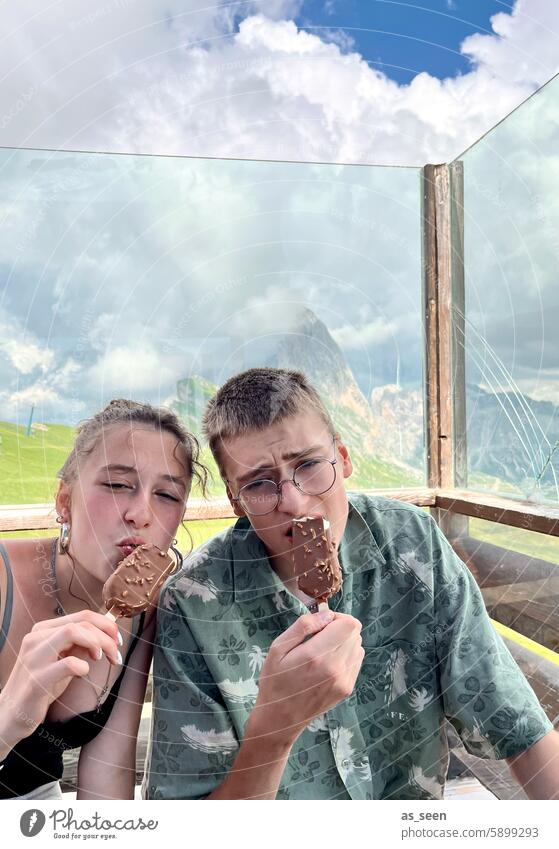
{"x":346,"y":763}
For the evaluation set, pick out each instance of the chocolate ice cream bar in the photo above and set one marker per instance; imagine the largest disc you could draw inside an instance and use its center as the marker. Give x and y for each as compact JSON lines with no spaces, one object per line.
{"x":315,"y":559}
{"x":134,"y":584}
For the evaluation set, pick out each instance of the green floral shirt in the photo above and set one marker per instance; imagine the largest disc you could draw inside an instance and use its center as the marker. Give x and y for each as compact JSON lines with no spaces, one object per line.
{"x":431,"y":653}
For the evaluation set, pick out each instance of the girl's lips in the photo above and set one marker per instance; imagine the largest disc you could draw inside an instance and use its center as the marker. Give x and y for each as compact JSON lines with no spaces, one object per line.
{"x":127,"y":549}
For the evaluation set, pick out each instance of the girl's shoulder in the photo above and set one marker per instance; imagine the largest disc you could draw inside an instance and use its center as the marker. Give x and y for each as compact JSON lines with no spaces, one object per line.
{"x":25,"y":573}
{"x":27,"y":559}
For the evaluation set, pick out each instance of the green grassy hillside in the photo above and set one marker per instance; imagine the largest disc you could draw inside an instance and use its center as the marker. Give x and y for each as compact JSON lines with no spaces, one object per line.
{"x":28,"y":464}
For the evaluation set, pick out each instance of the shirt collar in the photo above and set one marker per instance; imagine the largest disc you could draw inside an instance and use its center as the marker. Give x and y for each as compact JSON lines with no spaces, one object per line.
{"x":254,"y":577}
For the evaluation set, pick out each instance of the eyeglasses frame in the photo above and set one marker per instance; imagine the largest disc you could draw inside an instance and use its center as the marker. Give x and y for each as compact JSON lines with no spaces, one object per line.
{"x":279,"y":485}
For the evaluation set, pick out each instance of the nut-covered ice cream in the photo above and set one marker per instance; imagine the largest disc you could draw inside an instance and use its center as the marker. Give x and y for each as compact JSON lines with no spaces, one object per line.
{"x":134,"y":584}
{"x":315,"y":559}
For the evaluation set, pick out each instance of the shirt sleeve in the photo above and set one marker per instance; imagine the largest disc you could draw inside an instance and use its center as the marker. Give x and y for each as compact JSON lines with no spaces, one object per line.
{"x":193,"y":743}
{"x":486,"y":696}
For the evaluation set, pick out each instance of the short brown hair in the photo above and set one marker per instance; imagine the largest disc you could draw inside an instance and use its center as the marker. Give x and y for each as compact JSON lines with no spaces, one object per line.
{"x":257,"y":399}
{"x":123,"y":411}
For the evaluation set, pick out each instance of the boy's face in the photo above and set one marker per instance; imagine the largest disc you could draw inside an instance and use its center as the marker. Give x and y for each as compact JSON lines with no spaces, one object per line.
{"x":274,"y":454}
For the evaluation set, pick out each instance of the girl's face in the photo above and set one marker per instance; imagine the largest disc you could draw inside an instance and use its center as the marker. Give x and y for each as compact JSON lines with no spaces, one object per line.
{"x":130,"y":490}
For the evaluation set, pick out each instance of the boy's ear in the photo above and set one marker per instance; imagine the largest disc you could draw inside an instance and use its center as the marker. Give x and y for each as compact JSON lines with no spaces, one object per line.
{"x":346,"y":464}
{"x":62,"y":502}
{"x":237,"y":509}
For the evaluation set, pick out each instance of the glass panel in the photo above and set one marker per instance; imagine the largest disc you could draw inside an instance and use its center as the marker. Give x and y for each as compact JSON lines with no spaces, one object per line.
{"x":158,"y":278}
{"x":534,"y":545}
{"x":518,"y":572}
{"x":511,"y":243}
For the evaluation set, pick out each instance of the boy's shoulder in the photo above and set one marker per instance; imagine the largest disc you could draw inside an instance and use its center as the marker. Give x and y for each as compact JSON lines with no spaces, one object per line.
{"x":378,"y":509}
{"x":208,"y":566}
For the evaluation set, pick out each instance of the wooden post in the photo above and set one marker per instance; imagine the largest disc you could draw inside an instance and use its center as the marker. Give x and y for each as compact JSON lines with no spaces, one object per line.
{"x":458,"y":307}
{"x":443,"y":267}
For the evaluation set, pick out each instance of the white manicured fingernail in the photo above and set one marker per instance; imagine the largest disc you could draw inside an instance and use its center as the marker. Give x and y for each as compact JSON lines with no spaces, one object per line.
{"x":119,"y":638}
{"x":119,"y":658}
{"x":99,"y":653}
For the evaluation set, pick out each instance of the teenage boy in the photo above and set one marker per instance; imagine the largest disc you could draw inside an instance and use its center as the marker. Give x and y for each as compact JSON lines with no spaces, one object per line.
{"x":255,"y":697}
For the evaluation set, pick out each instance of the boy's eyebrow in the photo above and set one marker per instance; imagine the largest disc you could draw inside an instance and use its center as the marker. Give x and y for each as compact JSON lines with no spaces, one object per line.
{"x":120,"y":467}
{"x":291,"y":455}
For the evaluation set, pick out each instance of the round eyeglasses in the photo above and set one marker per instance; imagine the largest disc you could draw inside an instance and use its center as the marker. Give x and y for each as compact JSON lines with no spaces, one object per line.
{"x":313,"y":477}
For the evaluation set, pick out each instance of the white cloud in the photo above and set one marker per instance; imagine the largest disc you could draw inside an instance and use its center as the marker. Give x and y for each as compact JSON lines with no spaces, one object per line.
{"x":376,"y":332}
{"x":273,"y":91}
{"x":28,"y":356}
{"x":180,"y":78}
{"x":524,"y":47}
{"x":39,"y":394}
{"x":131,"y":371}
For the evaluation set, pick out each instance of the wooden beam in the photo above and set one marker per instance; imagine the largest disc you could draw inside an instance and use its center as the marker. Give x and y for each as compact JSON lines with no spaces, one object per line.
{"x":437,"y":272}
{"x":444,"y":305}
{"x":458,"y":310}
{"x":505,"y":511}
{"x":431,"y":316}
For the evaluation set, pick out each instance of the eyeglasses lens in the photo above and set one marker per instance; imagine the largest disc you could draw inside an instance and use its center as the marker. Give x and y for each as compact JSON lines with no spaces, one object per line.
{"x":312,"y":478}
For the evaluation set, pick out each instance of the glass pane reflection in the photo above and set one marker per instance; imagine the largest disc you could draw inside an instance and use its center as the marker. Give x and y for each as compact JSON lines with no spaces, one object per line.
{"x":511,"y":215}
{"x":157,"y":278}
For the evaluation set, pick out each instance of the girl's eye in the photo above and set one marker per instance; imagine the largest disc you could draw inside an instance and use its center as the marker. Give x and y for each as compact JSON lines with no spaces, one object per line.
{"x":112,"y":485}
{"x":168,"y":496}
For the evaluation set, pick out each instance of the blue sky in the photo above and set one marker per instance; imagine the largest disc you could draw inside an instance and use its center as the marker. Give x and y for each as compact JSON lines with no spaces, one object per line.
{"x":403,"y":38}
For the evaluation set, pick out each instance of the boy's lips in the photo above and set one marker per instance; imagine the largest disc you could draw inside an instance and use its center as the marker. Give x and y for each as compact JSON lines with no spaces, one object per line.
{"x":312,"y":514}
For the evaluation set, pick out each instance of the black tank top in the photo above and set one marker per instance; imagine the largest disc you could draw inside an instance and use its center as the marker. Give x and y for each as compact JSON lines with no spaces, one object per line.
{"x":37,"y":759}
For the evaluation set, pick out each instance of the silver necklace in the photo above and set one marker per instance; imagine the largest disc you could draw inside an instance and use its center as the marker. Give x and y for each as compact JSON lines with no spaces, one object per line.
{"x":60,"y":611}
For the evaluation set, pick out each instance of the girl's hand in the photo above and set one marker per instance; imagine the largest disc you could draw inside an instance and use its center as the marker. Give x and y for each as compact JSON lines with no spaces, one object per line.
{"x":50,"y":656}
